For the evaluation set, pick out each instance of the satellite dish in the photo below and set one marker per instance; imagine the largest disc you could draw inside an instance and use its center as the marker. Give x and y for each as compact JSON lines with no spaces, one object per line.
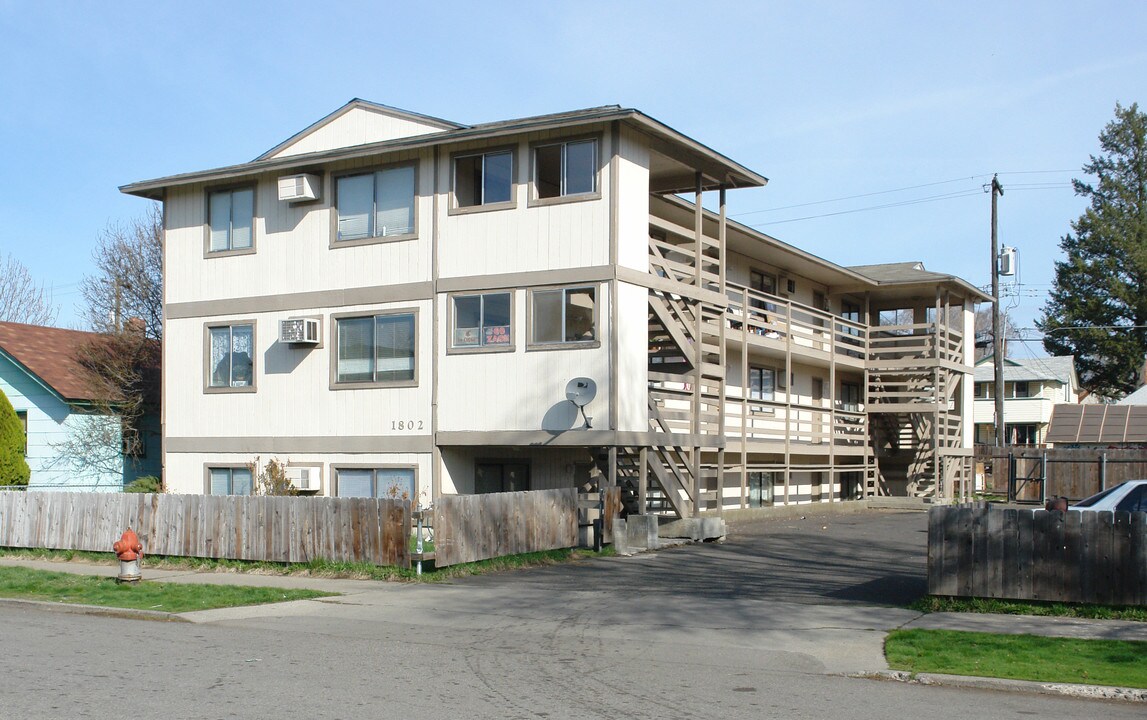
{"x":581,"y":391}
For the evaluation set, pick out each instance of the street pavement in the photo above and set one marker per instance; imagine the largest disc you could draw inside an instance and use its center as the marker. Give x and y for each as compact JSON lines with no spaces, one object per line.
{"x":780,"y":621}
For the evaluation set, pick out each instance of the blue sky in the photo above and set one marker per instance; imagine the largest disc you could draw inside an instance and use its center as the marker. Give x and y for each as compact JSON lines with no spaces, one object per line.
{"x":905,"y":108}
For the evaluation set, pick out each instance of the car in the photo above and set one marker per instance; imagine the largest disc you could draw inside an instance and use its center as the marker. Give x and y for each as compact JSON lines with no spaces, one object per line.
{"x":1129,"y":496}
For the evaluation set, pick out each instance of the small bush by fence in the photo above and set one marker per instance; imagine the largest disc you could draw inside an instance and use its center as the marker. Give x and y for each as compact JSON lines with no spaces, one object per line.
{"x":1021,"y":554}
{"x":273,"y":529}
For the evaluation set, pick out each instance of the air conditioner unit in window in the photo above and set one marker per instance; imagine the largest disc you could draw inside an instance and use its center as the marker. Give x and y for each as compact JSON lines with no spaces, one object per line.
{"x":304,"y":478}
{"x":299,"y":331}
{"x":299,"y":188}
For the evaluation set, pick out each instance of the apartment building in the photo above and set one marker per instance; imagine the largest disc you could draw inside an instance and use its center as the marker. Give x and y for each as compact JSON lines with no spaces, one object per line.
{"x":392,"y":303}
{"x":1032,"y":389}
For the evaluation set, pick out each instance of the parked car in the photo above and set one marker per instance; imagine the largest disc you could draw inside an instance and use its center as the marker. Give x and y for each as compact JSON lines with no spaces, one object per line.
{"x":1130,"y":496}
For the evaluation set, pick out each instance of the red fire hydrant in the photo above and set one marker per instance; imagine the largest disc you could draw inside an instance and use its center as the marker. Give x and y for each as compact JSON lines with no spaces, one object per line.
{"x":129,"y":552}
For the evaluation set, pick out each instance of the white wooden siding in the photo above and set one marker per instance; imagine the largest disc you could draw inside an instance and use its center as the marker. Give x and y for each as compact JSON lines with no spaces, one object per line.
{"x":633,"y":202}
{"x":358,"y":126}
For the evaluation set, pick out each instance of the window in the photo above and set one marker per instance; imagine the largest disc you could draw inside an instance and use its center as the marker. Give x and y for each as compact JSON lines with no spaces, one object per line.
{"x":762,"y":383}
{"x":231,"y":214}
{"x":376,"y":205}
{"x":482,"y":320}
{"x":484,"y":178}
{"x":850,"y":397}
{"x":1021,"y":389}
{"x":1025,"y":434}
{"x":564,"y":316}
{"x":564,"y":169}
{"x":1136,"y":501}
{"x":982,"y":390}
{"x":492,"y":477}
{"x":394,"y":483}
{"x":229,"y":481}
{"x":764,"y":283}
{"x":22,"y":416}
{"x":761,"y":488}
{"x":375,"y":349}
{"x":231,"y":356}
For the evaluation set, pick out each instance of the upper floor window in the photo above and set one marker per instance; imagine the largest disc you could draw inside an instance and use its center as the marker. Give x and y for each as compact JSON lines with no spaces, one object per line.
{"x":566,"y":315}
{"x":376,"y":205}
{"x":482,"y":320}
{"x":568,"y":168}
{"x":1021,"y":389}
{"x":983,"y":390}
{"x":850,"y":397}
{"x":229,"y":481}
{"x":231,"y":215}
{"x":484,"y":178}
{"x":231,"y":356}
{"x":375,"y":349}
{"x":762,"y":383}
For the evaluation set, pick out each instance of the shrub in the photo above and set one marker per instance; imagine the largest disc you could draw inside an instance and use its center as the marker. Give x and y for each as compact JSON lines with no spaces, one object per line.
{"x":14,"y":470}
{"x":144,"y":484}
{"x":272,"y":478}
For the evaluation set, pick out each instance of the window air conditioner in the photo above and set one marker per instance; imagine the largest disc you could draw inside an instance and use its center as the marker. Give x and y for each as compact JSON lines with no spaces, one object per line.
{"x":304,"y":478}
{"x":299,"y":188}
{"x":299,"y":331}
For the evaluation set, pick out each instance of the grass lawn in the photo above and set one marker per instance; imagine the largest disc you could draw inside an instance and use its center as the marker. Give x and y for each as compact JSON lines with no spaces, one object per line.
{"x":28,"y":584}
{"x":933,"y":603}
{"x":1019,"y":657}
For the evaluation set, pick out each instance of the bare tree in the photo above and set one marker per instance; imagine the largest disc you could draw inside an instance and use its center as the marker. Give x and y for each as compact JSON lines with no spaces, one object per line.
{"x":21,"y":299}
{"x":128,"y":283}
{"x":984,"y":331}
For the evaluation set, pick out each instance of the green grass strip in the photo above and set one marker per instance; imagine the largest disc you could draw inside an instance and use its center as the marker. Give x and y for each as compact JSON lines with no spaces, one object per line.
{"x":29,"y":584}
{"x":1116,"y":663}
{"x":934,"y":603}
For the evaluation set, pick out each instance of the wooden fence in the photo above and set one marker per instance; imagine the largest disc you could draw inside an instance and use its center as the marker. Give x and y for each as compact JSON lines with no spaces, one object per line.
{"x":1032,"y":474}
{"x":468,"y":528}
{"x":274,"y":529}
{"x":1022,"y":554}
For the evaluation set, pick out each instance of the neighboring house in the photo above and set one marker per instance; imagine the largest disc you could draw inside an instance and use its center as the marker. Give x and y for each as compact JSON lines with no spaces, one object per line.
{"x":1139,"y":397}
{"x":396,"y":304}
{"x":41,"y":377}
{"x":1032,"y":387}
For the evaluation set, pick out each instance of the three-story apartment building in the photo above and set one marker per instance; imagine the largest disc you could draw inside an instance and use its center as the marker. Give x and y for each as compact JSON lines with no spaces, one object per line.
{"x":397,"y":304}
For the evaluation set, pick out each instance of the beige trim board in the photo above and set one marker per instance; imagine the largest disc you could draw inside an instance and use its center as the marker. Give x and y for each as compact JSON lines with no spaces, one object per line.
{"x":570,"y":276}
{"x":292,"y":302}
{"x":575,"y":438}
{"x":298,"y":445}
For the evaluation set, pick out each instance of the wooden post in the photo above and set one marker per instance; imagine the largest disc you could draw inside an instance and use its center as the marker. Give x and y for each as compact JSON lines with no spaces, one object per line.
{"x":643,"y":482}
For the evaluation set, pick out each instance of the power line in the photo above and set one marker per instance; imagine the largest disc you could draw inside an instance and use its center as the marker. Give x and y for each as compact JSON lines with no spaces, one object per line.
{"x":934,"y":198}
{"x":854,"y":197}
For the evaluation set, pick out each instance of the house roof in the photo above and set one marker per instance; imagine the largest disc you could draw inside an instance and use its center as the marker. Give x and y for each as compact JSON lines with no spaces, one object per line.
{"x":716,"y":169}
{"x":49,"y":355}
{"x":909,"y":274}
{"x":1060,"y":368}
{"x":1098,"y":424}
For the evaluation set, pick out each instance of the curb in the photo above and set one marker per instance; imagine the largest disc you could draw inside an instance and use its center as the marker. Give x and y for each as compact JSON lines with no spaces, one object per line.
{"x":73,"y":609}
{"x":1097,"y":692}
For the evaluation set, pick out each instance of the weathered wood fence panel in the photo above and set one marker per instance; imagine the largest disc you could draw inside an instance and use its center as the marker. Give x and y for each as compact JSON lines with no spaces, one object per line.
{"x":1073,"y":473}
{"x":1020,"y":554}
{"x":468,"y":528}
{"x":273,"y":529}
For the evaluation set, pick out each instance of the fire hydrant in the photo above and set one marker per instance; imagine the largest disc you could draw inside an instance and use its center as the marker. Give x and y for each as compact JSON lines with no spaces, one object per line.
{"x":129,"y":552}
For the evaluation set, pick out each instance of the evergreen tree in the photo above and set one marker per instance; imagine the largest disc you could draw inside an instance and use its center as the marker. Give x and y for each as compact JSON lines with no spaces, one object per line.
{"x":13,"y":467}
{"x":1101,"y":286}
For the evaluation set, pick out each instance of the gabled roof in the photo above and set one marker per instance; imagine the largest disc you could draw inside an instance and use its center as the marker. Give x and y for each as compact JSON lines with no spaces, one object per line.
{"x":1060,"y":368}
{"x":49,"y":355}
{"x":1139,"y":397}
{"x":913,"y":273}
{"x":715,"y":168}
{"x":359,"y":104}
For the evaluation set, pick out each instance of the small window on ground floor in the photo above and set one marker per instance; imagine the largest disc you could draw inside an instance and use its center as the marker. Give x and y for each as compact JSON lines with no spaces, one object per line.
{"x":230,"y":481}
{"x":22,"y":416}
{"x":496,"y":476}
{"x":386,"y":483}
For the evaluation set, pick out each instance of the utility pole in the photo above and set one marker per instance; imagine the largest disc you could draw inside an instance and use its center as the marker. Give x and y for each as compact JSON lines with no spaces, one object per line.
{"x":997,"y":329}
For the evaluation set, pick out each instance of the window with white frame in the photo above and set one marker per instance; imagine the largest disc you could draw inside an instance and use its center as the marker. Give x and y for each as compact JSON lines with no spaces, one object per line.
{"x":375,"y":348}
{"x":762,"y":383}
{"x":483,"y":178}
{"x":565,"y":315}
{"x":231,"y":356}
{"x":382,"y":482}
{"x":482,"y":320}
{"x":231,"y":216}
{"x":377,"y":204}
{"x":564,"y":169}
{"x":230,"y":481}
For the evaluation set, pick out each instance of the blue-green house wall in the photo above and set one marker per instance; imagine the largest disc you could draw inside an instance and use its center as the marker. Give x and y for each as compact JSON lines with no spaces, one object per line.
{"x":51,"y":422}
